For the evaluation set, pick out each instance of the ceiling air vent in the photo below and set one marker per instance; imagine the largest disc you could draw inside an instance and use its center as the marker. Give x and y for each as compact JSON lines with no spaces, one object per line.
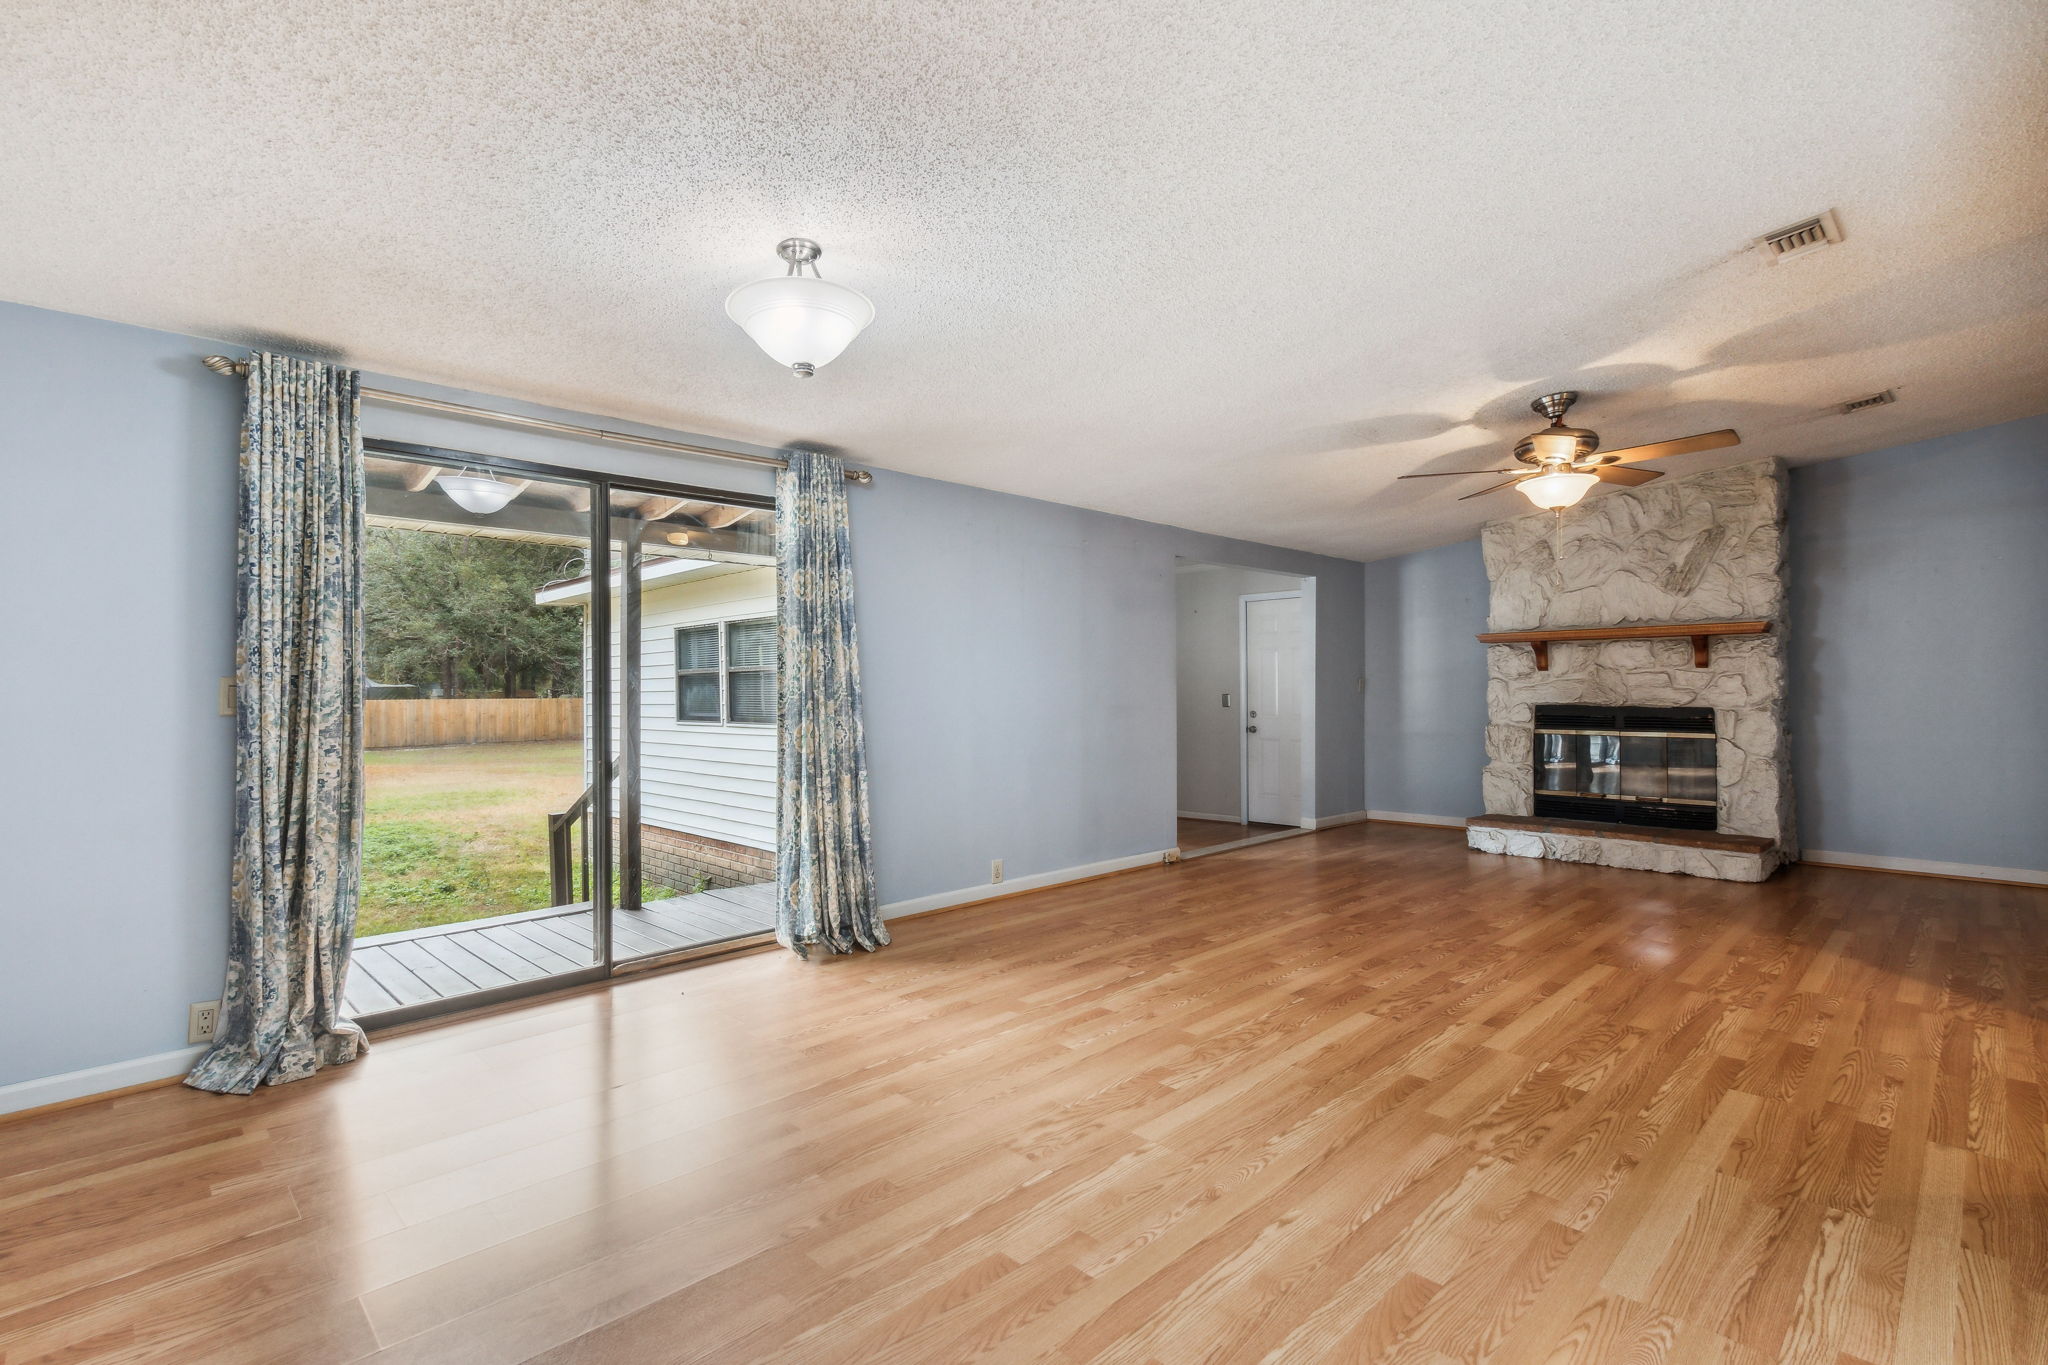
{"x":1875,"y":400}
{"x":1810,"y":235}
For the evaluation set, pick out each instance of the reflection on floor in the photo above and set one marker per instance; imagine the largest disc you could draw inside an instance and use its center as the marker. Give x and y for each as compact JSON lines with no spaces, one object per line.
{"x":1363,"y":1094}
{"x":392,"y":971}
{"x":1205,"y":833}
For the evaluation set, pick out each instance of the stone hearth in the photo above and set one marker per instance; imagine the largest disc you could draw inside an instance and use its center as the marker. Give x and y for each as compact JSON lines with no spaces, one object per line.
{"x":1699,"y":547}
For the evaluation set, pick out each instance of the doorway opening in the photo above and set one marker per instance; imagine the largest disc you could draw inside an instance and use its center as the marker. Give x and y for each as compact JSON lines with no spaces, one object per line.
{"x":569,"y":728}
{"x":1245,"y":705}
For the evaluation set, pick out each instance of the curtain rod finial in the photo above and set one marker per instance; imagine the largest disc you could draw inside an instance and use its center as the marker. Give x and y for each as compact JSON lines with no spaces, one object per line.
{"x":221,"y":364}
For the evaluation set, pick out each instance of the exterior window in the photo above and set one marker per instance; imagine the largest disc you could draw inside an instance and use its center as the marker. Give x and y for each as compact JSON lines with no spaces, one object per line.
{"x":697,"y":673}
{"x":750,"y":672}
{"x":726,"y":673}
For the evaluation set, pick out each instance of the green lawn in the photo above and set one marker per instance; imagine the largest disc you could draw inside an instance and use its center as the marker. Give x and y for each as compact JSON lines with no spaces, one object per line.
{"x":460,"y":833}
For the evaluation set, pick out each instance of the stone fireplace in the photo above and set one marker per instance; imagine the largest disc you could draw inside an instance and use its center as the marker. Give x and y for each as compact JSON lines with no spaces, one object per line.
{"x":1666,"y":752}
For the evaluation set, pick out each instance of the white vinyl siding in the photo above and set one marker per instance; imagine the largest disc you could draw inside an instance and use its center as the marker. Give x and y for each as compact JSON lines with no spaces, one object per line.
{"x":706,"y":777}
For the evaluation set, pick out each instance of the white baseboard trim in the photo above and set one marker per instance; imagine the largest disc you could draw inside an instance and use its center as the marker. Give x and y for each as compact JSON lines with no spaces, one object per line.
{"x":1402,"y":817}
{"x":2026,"y":876}
{"x":1349,"y":817}
{"x":1037,"y":881}
{"x":97,"y":1080}
{"x":1198,"y":815}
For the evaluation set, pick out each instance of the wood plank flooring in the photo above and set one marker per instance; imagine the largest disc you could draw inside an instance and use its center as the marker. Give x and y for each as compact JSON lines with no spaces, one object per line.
{"x":390,"y":971}
{"x":1357,"y":1096}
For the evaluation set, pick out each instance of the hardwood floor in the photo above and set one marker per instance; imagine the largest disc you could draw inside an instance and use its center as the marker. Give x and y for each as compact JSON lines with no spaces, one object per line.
{"x":1357,"y":1096}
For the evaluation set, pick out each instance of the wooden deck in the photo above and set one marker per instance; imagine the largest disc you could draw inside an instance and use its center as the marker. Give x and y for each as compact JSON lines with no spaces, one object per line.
{"x":391,"y":971}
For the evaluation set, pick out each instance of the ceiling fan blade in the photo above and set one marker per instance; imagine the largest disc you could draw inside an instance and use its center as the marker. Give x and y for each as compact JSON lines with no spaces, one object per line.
{"x":1505,"y":483}
{"x":1614,"y":473}
{"x":1684,"y":445}
{"x":1457,"y":473}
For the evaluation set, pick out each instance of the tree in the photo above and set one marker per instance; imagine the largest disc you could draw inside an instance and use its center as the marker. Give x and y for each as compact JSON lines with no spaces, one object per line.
{"x":457,"y":612}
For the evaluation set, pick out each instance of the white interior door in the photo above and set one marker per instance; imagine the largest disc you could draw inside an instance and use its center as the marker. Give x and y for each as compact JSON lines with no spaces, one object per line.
{"x":1272,"y":715}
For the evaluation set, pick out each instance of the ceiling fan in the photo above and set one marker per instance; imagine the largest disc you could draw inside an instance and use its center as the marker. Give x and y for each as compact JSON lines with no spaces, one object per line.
{"x":1564,"y":464}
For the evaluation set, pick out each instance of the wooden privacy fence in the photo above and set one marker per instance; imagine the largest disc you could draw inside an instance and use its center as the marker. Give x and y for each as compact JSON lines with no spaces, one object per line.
{"x":412,"y":724}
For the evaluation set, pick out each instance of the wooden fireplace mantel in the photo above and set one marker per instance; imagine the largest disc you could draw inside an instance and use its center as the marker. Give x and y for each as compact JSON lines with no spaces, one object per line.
{"x":1700,"y":632}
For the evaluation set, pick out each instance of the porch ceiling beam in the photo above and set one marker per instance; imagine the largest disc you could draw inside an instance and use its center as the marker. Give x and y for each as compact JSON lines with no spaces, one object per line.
{"x":522,"y":518}
{"x":655,"y":508}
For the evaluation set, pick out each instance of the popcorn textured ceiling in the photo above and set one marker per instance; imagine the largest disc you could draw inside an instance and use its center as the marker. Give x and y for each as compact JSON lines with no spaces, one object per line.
{"x":1227,"y":266}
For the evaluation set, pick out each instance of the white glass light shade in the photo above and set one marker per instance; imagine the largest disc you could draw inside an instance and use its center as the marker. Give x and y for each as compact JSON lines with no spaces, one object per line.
{"x":800,"y":321}
{"x":1557,"y":490}
{"x":1555,"y":445}
{"x":478,"y":493}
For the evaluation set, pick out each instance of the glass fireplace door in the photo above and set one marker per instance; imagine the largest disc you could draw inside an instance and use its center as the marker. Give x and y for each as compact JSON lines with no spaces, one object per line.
{"x":1627,"y":765}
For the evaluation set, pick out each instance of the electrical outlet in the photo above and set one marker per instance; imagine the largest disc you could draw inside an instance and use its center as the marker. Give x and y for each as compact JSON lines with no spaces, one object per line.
{"x":995,"y":871}
{"x":201,"y":1020}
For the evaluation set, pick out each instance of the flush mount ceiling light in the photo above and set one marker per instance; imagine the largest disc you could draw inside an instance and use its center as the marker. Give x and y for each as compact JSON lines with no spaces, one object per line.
{"x":800,"y":321}
{"x":478,"y":493}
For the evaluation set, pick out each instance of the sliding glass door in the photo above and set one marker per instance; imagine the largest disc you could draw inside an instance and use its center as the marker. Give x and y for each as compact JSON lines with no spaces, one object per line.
{"x":693,"y":650}
{"x":545,"y":804}
{"x":476,"y":860}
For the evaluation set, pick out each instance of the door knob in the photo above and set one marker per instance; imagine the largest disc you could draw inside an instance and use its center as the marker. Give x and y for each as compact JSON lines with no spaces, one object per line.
{"x":1251,"y":729}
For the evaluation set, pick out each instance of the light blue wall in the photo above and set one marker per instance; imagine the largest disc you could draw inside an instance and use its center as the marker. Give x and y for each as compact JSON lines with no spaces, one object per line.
{"x":1019,"y":660}
{"x":117,"y":617}
{"x":1920,"y":649}
{"x":1425,"y":689}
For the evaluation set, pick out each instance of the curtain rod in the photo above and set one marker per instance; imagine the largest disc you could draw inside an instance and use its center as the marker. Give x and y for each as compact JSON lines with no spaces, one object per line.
{"x":221,"y":364}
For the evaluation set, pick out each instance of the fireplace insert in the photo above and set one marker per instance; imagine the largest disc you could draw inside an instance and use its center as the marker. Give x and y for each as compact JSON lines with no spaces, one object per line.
{"x":1627,"y":765}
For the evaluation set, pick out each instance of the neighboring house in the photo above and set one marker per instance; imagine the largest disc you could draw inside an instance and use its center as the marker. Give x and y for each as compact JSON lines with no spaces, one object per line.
{"x":707,"y":790}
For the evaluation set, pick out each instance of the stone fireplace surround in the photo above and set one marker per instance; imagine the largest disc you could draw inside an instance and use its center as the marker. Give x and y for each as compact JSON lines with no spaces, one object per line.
{"x":1698,"y":547}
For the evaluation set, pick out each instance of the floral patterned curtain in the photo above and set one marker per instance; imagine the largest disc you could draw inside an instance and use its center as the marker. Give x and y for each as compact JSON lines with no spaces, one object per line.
{"x":824,"y":866}
{"x":298,"y":731}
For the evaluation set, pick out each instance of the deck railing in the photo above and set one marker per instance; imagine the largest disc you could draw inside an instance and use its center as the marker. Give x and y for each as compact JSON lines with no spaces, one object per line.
{"x":569,"y":852}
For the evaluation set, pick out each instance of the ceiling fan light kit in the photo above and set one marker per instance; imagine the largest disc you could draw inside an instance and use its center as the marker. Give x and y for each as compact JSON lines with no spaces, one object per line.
{"x":1567,"y":461}
{"x":802,"y":321}
{"x":1559,"y":489}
